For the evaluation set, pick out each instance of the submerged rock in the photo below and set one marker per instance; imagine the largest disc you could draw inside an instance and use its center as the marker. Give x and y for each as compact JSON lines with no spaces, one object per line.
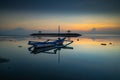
{"x":110,"y":43}
{"x":103,"y":44}
{"x":3,"y":60}
{"x":19,"y":46}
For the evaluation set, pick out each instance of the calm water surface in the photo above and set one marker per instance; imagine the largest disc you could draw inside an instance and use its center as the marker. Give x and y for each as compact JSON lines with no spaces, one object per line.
{"x":88,"y":60}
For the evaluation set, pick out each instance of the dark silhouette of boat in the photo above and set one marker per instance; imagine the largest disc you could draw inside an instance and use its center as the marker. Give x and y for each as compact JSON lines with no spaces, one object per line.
{"x":56,"y":34}
{"x":59,"y":34}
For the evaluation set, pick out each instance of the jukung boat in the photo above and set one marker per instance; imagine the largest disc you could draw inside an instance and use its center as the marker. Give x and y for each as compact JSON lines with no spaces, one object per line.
{"x":46,"y":46}
{"x":56,"y":44}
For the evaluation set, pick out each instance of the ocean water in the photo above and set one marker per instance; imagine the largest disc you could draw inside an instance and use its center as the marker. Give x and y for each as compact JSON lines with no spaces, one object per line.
{"x":88,"y":60}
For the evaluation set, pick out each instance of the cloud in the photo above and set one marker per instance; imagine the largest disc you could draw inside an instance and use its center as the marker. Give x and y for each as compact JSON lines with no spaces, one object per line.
{"x":16,"y":31}
{"x":22,"y":31}
{"x":114,"y":30}
{"x":93,"y":30}
{"x":62,"y":5}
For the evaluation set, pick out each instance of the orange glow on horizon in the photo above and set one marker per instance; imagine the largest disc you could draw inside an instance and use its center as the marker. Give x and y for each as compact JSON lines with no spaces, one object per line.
{"x":64,"y":27}
{"x":90,"y":41}
{"x":50,"y":23}
{"x":88,"y":27}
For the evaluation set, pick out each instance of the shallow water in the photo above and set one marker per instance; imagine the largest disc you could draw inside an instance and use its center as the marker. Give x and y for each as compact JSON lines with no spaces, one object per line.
{"x":88,"y":60}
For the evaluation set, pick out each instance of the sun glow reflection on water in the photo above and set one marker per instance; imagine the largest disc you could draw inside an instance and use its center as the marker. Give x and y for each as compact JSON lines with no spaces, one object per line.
{"x":88,"y":60}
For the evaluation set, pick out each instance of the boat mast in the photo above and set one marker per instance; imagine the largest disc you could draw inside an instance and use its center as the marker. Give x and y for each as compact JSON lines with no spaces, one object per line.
{"x":59,"y":29}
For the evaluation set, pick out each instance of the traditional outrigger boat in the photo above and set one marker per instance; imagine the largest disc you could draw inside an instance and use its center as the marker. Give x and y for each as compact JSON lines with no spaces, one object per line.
{"x":38,"y":47}
{"x":56,"y":44}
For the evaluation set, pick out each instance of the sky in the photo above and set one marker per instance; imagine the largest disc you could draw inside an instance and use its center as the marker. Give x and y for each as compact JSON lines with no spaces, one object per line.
{"x":74,"y":15}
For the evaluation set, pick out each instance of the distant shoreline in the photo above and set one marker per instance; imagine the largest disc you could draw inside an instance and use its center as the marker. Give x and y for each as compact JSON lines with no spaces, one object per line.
{"x":82,"y":35}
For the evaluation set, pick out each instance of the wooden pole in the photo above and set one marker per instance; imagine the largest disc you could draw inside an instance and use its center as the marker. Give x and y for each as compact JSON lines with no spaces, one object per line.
{"x":59,"y":29}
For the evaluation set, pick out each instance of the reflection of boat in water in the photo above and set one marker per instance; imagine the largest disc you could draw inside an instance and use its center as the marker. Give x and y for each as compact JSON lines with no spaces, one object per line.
{"x":38,"y":47}
{"x":47,"y":49}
